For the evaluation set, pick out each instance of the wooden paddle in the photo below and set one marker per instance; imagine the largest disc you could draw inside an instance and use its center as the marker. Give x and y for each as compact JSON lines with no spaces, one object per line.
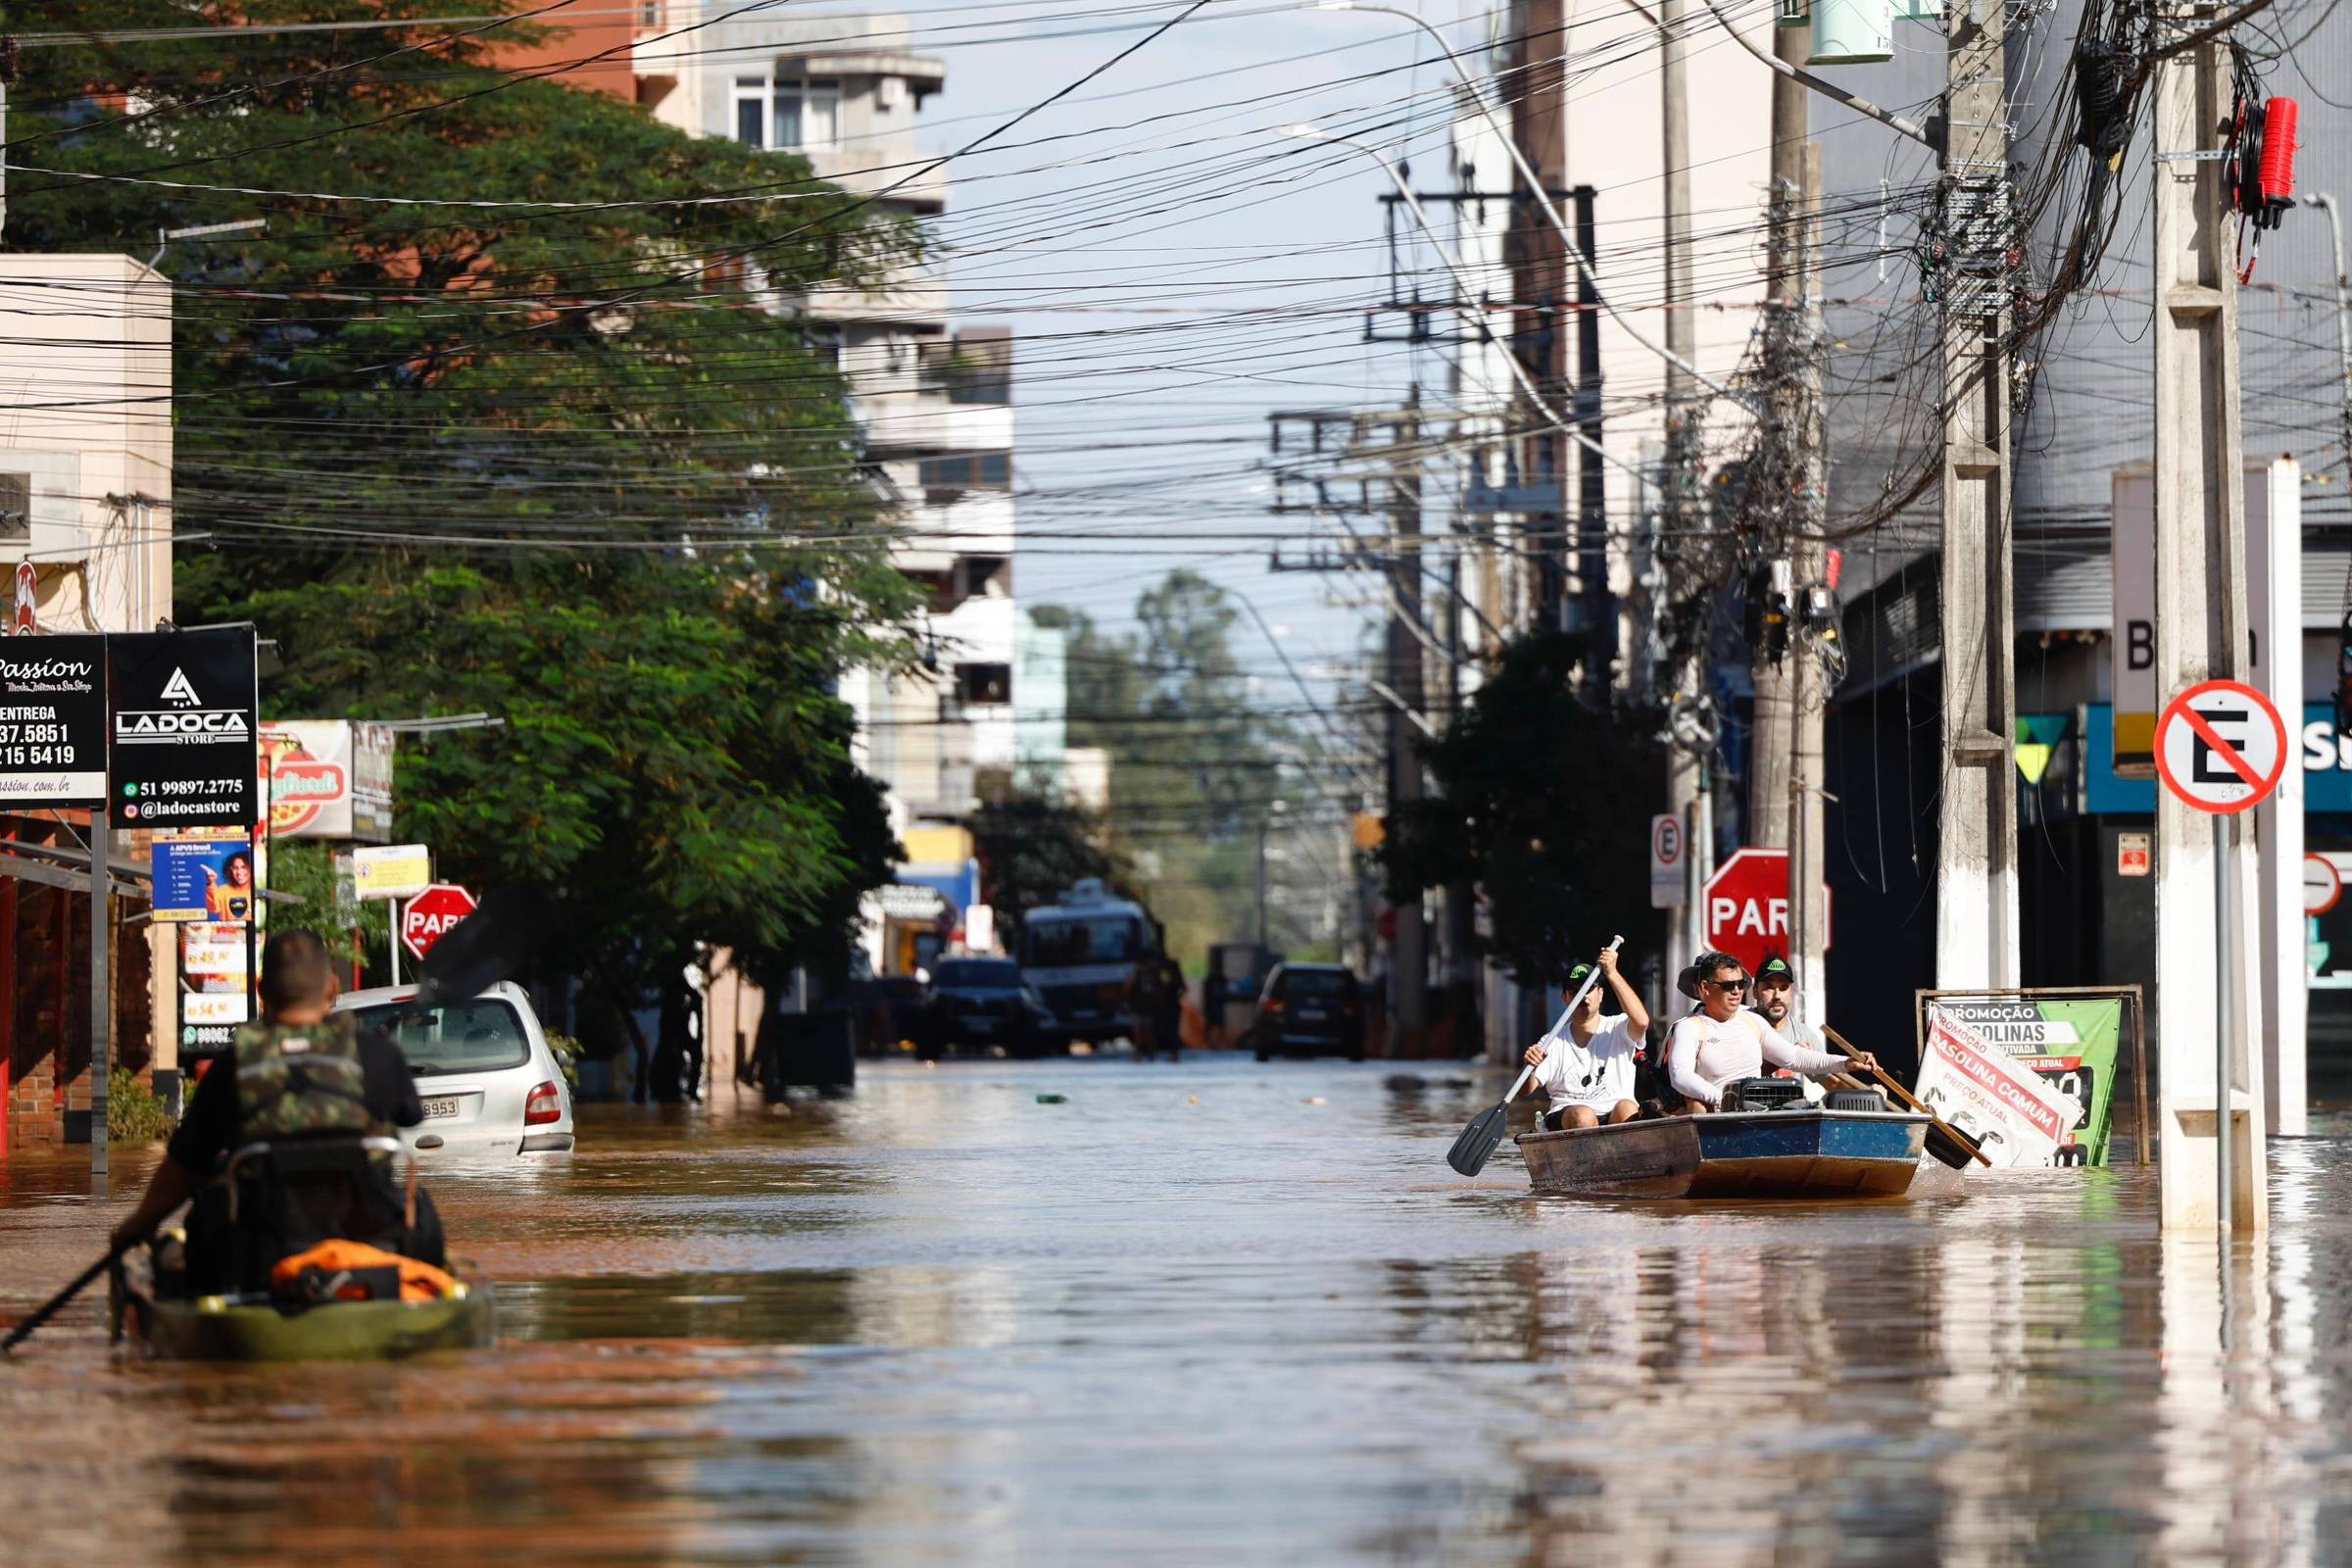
{"x":1946,"y":1142}
{"x":50,"y":1309}
{"x":1471,"y":1152}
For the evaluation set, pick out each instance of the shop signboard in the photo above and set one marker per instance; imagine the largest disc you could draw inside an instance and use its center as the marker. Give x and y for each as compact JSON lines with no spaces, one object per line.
{"x":2016,"y":1116}
{"x":329,"y":779}
{"x":183,"y":750}
{"x":52,"y":722}
{"x":391,"y":870}
{"x":205,"y":873}
{"x":2071,"y":1045}
{"x":214,"y":992}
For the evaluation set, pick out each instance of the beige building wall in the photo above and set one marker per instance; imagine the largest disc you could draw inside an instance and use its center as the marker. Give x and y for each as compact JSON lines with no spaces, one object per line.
{"x":85,"y":437}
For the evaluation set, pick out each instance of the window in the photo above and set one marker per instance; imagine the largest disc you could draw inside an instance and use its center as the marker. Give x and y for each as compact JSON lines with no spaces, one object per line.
{"x":984,"y":685}
{"x":790,"y":114}
{"x":983,"y":470}
{"x":750,"y":111}
{"x":1065,"y":944}
{"x":807,"y":114}
{"x":649,"y":13}
{"x":456,"y":1036}
{"x":16,"y":505}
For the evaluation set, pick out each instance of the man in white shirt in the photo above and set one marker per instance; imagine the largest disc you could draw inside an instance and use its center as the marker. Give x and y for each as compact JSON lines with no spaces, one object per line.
{"x":1589,"y":1074}
{"x":1723,"y":1043}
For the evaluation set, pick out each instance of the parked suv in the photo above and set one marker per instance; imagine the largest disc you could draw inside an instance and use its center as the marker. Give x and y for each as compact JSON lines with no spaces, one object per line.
{"x":488,"y":1079}
{"x":1310,"y":1010}
{"x":985,"y":1002}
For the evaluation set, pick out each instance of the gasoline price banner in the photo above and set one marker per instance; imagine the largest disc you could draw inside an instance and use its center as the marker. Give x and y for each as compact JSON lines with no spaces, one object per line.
{"x":184,"y":748}
{"x":52,"y":722}
{"x":2073,"y":1044}
{"x":2015,"y":1118}
{"x":213,"y":986}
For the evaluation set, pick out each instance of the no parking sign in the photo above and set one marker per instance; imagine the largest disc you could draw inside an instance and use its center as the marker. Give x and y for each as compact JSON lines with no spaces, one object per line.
{"x":2220,"y":747}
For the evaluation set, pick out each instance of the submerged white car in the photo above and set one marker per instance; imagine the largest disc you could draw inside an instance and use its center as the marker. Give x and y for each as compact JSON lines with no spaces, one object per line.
{"x":488,"y":1078}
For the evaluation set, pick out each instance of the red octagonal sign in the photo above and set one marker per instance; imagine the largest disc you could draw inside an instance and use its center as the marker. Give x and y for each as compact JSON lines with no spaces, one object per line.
{"x":1746,"y":911}
{"x":429,"y":915}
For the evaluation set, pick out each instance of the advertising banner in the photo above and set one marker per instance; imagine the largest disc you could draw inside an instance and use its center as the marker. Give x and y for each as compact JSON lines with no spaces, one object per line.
{"x":2016,"y":1118}
{"x":205,"y":873}
{"x":183,"y":750}
{"x":329,"y":779}
{"x":213,"y":986}
{"x":2074,"y":1044}
{"x":392,"y":871}
{"x":52,"y":722}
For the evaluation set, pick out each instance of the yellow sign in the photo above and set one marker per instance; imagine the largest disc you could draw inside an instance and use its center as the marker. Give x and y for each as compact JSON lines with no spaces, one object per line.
{"x":1371,"y":830}
{"x":391,"y":870}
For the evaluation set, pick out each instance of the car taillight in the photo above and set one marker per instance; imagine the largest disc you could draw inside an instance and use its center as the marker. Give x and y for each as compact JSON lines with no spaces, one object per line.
{"x":1274,"y":1005}
{"x":543,"y":1105}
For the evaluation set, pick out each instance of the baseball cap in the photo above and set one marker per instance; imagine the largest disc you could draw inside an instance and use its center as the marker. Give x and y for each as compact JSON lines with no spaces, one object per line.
{"x":1576,"y":976}
{"x":1776,"y":968}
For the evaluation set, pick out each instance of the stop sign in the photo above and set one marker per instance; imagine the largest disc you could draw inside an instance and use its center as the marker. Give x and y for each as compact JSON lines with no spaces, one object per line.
{"x":429,"y":915}
{"x":1747,"y":906}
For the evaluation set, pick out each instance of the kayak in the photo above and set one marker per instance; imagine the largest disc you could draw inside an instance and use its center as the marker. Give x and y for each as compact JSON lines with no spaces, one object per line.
{"x":253,"y":1328}
{"x":1807,"y":1153}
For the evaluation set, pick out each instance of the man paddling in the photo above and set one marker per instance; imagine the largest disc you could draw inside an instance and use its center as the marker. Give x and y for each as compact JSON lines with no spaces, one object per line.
{"x":1722,"y":1043}
{"x":1590,"y":1076}
{"x":303,"y":1072}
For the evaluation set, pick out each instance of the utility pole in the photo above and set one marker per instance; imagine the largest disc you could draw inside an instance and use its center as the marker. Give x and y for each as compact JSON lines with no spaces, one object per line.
{"x":1688,"y":775}
{"x":1386,"y":443}
{"x":2201,"y":633}
{"x":1263,"y":944}
{"x":1976,"y":894}
{"x":1784,"y":797}
{"x":1768,"y":772}
{"x":1408,"y":976}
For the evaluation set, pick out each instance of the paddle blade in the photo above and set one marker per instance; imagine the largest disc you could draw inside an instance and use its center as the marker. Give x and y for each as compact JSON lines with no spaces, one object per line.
{"x":483,"y":949}
{"x":1950,"y":1145}
{"x":1471,"y":1152}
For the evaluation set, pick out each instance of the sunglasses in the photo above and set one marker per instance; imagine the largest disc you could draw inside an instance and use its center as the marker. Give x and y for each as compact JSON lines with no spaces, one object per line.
{"x":1740,"y":984}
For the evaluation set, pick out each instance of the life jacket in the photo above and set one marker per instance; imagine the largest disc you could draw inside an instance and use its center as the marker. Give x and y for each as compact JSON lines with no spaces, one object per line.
{"x":296,"y":1081}
{"x":353,"y":1271}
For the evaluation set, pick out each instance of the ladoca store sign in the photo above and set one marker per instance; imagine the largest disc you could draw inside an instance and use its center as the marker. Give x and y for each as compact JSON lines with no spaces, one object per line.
{"x":183,"y":745}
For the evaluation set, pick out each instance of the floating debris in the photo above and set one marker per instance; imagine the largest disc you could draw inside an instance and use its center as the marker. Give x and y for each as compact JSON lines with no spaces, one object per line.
{"x":1052,"y":1099}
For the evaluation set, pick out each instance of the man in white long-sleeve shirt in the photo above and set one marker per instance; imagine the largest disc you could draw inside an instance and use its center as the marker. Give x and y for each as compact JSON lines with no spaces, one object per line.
{"x":1722,"y":1043}
{"x":1590,"y":1075}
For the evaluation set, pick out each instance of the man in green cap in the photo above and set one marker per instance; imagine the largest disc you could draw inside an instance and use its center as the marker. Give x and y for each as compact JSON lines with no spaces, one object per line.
{"x":1776,"y":1000}
{"x":1588,"y":1074}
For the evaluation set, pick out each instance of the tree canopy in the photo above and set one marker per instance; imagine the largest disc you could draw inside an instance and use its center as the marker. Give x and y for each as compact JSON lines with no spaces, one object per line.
{"x":1546,"y":802}
{"x":537,"y":427}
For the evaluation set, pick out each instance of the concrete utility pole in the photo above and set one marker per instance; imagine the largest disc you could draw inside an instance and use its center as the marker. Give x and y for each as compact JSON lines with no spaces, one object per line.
{"x":1784,"y":773}
{"x":1689,"y":774}
{"x":1408,"y":978}
{"x":1768,"y":770}
{"x":1388,"y":443}
{"x":2201,"y":633}
{"x":1975,"y":914}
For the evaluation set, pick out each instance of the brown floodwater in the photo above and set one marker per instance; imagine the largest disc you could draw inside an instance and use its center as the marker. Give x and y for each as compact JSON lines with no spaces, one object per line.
{"x":1224,"y":1313}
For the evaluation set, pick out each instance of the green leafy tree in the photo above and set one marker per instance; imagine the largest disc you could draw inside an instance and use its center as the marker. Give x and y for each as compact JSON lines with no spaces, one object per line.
{"x":1032,"y":846}
{"x":1197,"y":762}
{"x":484,"y":447}
{"x":1546,"y":803}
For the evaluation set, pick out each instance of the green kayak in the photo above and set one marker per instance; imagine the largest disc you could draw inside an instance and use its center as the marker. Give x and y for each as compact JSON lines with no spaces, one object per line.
{"x":217,"y":1328}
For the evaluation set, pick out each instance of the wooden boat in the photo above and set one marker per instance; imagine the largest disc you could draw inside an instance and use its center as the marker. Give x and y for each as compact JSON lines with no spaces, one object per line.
{"x":234,"y":1328}
{"x":1796,"y":1154}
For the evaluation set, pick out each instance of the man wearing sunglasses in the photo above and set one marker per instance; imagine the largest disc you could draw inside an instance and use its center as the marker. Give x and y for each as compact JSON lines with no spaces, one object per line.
{"x":1722,"y":1043}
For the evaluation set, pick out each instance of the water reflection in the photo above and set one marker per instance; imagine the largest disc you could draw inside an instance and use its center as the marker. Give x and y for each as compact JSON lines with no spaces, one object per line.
{"x":1189,"y":1316}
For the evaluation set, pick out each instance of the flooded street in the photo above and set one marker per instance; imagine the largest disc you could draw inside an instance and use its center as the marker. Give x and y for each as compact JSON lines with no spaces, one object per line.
{"x":1226,"y":1312}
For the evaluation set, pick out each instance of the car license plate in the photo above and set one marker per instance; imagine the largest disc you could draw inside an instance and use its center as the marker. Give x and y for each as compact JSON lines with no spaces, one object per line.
{"x":1310,"y":1015}
{"x":980,"y":1025}
{"x":444,"y":1106}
